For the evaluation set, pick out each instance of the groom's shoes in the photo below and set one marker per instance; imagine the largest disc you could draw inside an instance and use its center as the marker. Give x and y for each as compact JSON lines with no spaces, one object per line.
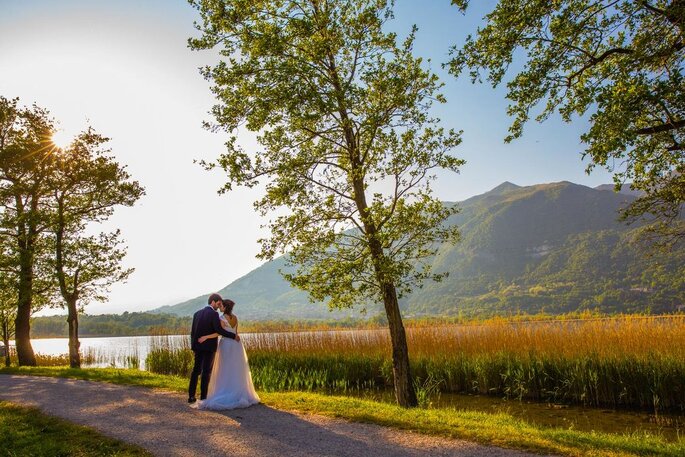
{"x":192,"y":400}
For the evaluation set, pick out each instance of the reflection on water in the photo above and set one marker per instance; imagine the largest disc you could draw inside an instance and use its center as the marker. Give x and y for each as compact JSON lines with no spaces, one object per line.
{"x":578,"y":418}
{"x":125,"y":352}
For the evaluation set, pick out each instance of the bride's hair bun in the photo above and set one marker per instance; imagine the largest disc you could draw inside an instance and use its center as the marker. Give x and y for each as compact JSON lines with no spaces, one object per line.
{"x":228,"y":305}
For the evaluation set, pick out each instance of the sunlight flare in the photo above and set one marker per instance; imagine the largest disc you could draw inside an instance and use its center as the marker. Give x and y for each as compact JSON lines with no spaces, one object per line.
{"x":61,"y":138}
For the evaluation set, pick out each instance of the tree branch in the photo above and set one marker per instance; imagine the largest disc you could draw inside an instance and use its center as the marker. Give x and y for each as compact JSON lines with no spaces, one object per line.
{"x":596,"y":60}
{"x":661,"y":128}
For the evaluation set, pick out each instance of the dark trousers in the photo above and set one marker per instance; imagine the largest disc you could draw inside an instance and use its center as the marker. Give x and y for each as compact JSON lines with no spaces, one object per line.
{"x":204,"y":361}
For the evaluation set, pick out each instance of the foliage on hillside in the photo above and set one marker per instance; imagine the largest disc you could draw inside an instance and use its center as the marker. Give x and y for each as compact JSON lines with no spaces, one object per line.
{"x":593,"y":270}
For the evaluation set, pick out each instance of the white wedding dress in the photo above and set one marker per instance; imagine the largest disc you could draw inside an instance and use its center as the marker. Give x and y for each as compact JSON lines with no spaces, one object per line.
{"x":231,"y":385}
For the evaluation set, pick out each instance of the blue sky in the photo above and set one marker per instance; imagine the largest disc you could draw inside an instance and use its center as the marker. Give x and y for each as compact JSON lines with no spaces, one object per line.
{"x":123,"y":66}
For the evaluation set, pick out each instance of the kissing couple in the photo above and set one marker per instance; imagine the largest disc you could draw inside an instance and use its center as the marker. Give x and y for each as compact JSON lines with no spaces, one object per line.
{"x":221,"y":363}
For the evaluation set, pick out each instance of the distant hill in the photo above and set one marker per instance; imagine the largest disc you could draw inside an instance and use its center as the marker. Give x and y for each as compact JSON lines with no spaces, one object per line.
{"x":261,"y":294}
{"x":550,"y":247}
{"x":625,"y":189}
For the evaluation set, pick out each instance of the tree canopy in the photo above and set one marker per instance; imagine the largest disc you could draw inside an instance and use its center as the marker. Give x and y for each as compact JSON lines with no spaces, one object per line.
{"x":619,"y":61}
{"x":49,"y":199}
{"x":87,"y":186}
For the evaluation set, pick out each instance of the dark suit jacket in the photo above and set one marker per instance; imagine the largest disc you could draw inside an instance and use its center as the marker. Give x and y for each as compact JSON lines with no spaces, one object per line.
{"x":205,"y":322}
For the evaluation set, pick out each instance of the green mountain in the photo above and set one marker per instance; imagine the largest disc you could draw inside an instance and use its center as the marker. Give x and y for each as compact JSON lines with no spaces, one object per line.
{"x":550,"y":247}
{"x":261,"y":294}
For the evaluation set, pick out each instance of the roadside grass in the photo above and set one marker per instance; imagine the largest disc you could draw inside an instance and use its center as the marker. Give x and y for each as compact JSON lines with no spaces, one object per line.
{"x":28,"y":432}
{"x":490,"y":429}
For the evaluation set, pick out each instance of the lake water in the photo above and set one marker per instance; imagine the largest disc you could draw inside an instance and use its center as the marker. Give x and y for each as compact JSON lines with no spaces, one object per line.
{"x":110,"y":351}
{"x":116,"y":351}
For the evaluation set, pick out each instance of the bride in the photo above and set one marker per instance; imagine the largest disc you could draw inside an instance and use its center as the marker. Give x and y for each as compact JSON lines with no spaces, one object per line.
{"x":231,"y":383}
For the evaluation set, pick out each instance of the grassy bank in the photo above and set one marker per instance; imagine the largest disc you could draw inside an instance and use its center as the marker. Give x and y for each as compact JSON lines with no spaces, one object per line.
{"x":491,"y":429}
{"x":28,"y":432}
{"x":631,"y":362}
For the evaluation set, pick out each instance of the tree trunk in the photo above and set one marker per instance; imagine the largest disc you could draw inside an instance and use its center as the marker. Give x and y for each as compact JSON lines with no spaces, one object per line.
{"x":26,"y":231}
{"x":74,"y":344}
{"x":70,"y":297}
{"x":6,"y":340}
{"x":22,"y":327}
{"x":404,"y":389}
{"x":22,"y":337}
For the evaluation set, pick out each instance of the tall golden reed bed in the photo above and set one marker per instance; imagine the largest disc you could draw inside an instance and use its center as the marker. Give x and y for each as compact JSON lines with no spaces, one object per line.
{"x":627,"y":361}
{"x":637,"y":336}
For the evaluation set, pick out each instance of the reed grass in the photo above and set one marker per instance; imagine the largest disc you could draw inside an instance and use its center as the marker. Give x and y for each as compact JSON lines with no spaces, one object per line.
{"x":628,"y":361}
{"x":90,"y":357}
{"x":169,"y":357}
{"x":47,"y":360}
{"x":106,"y":358}
{"x":380,"y":322}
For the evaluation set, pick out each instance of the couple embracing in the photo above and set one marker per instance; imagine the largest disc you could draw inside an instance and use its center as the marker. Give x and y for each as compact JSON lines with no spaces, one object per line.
{"x":221,"y":363}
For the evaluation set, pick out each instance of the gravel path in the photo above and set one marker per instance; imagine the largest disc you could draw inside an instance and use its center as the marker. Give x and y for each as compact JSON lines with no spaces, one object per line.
{"x":163,"y":423}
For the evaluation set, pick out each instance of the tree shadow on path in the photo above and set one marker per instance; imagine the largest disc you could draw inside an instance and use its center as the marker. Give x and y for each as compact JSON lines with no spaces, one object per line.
{"x":165,"y":424}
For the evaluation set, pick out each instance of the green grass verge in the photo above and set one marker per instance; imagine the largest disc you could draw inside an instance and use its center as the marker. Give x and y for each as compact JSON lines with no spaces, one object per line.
{"x":28,"y":432}
{"x":490,"y":429}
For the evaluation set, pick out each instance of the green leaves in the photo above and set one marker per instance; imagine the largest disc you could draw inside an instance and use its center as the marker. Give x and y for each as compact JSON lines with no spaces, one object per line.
{"x":49,"y":196}
{"x":621,"y":61}
{"x":347,"y":144}
{"x":87,"y":185}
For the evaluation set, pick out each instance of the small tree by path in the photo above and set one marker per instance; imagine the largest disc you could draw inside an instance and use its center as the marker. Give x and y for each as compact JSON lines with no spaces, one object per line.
{"x":347,"y":147}
{"x":87,"y":186}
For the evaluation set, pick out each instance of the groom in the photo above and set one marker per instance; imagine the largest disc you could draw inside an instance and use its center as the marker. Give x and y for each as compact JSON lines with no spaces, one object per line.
{"x":205,"y":322}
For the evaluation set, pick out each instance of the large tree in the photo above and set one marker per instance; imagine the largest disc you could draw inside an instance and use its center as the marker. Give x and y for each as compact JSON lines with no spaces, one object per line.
{"x":347,"y":146}
{"x":87,"y":186}
{"x":620,"y":61}
{"x":26,"y":160}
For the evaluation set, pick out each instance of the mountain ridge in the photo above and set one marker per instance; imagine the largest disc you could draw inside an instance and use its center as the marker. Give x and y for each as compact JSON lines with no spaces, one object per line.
{"x":523,"y":249}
